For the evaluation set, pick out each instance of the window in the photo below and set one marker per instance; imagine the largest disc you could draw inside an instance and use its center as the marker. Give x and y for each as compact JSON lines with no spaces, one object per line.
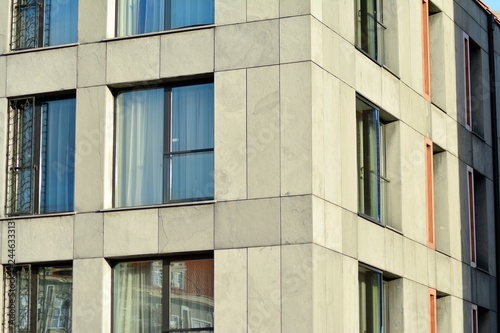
{"x":41,"y":300}
{"x":370,"y":29}
{"x":40,"y":23}
{"x":468,"y":106}
{"x":432,"y":311}
{"x":474,"y":318}
{"x":425,"y":49}
{"x":185,"y":295}
{"x":143,"y":16}
{"x":41,"y":156}
{"x":429,"y":187}
{"x":370,"y":301}
{"x":372,"y":183}
{"x":472,"y":223}
{"x":164,"y":145}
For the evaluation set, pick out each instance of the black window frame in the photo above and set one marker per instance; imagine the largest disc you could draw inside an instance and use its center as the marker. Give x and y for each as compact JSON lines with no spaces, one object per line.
{"x":167,"y":138}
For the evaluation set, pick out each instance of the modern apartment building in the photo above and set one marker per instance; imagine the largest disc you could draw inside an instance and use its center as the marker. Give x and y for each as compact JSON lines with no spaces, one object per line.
{"x":249,"y":166}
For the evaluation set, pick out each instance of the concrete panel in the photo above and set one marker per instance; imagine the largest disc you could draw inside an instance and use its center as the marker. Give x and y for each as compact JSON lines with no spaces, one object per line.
{"x":89,"y":148}
{"x":247,"y":223}
{"x":393,"y":249}
{"x":131,"y":232}
{"x":350,"y":304}
{"x":296,"y":219}
{"x":263,"y":136}
{"x":332,"y":136}
{"x":396,"y":305}
{"x":247,"y":45}
{"x":443,"y":271}
{"x":346,"y":22}
{"x":347,"y":57}
{"x":45,"y":239}
{"x":295,"y":39}
{"x":187,"y":53}
{"x":444,"y":318}
{"x":296,"y":127}
{"x":349,"y":233}
{"x":371,"y":243}
{"x":368,"y":78}
{"x":132,"y":60}
{"x":89,"y":235}
{"x":294,"y":7}
{"x":91,"y":277}
{"x":92,"y":20}
{"x":410,"y":260}
{"x":334,"y":292}
{"x":319,"y":293}
{"x":390,"y":94}
{"x":438,"y":44}
{"x":319,"y":90}
{"x":189,"y":228}
{"x":230,"y":141}
{"x":230,"y":11}
{"x":55,"y":70}
{"x":438,"y":127}
{"x":231,"y":290}
{"x":333,"y":227}
{"x":5,"y":28}
{"x":297,"y":288}
{"x":264,"y":289}
{"x":348,"y":148}
{"x":422,"y":268}
{"x":431,"y":268}
{"x":330,"y":14}
{"x":262,"y":9}
{"x":91,"y":65}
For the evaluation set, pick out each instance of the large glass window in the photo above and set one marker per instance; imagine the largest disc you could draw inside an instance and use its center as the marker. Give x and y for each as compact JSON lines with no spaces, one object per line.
{"x":370,"y":301}
{"x":164,"y":145}
{"x":372,"y":183}
{"x":40,"y":23}
{"x":40,"y":299}
{"x":143,"y":16}
{"x":169,"y":295}
{"x":370,"y":29}
{"x":41,"y":156}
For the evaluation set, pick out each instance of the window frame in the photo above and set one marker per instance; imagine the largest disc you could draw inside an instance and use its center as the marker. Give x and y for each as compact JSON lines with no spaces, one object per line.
{"x":474,"y":318}
{"x":429,"y":189}
{"x":426,"y":63}
{"x":33,"y":292}
{"x":381,"y":151}
{"x":36,"y":166}
{"x":467,"y":81}
{"x":471,"y":216}
{"x":382,"y":312}
{"x":167,"y":112}
{"x":167,"y":21}
{"x":166,"y":260}
{"x":41,"y":28}
{"x":361,"y":30}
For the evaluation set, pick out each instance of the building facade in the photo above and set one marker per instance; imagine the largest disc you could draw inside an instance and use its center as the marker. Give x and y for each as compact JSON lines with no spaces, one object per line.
{"x":249,"y":166}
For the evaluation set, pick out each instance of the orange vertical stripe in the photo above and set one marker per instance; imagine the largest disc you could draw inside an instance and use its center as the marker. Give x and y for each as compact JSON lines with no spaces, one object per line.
{"x":472,"y":226}
{"x":467,"y":82}
{"x":432,"y":311}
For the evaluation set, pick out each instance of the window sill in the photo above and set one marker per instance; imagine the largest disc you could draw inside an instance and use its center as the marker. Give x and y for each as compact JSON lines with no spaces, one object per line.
{"x":29,"y":217}
{"x":159,"y":33}
{"x":371,"y":219}
{"x":38,"y":49}
{"x":166,"y":205}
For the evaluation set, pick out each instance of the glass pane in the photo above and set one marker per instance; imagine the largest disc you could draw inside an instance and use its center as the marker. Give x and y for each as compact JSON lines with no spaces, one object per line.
{"x":25,"y":25}
{"x":191,"y":300}
{"x":139,"y":147}
{"x":137,"y":295}
{"x":61,"y":20}
{"x":366,"y":33}
{"x":58,"y":155}
{"x":191,"y":176}
{"x":22,"y":300}
{"x":54,"y":301}
{"x":187,"y":13}
{"x":370,"y":301}
{"x":193,"y":117}
{"x":140,"y":16}
{"x":368,"y":138}
{"x":24,"y":163}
